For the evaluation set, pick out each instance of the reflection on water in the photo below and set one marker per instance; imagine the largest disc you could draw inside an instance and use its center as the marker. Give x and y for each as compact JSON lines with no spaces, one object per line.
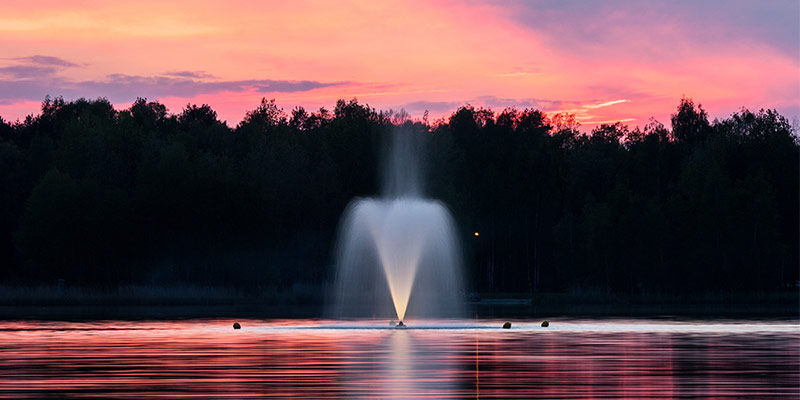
{"x":322,"y":359}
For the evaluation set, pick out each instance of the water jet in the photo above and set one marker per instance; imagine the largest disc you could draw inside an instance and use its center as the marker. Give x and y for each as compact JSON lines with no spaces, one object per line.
{"x":398,"y":253}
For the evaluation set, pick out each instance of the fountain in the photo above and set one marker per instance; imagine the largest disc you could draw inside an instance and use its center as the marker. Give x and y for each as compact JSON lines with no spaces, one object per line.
{"x":398,"y":252}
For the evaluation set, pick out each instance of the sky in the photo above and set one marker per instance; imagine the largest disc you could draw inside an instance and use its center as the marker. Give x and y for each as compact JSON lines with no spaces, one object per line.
{"x":604,"y":61}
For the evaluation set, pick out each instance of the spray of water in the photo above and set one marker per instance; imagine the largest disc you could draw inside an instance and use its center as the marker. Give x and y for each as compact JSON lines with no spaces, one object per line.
{"x":400,"y":250}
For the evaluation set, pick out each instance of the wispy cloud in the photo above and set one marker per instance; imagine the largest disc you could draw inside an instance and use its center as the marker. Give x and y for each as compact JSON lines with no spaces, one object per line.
{"x":585,"y":112}
{"x":604,"y":104}
{"x":34,"y":67}
{"x":502,"y":102}
{"x":433,"y":106}
{"x":46,"y":60}
{"x":31,"y":78}
{"x":191,"y":74}
{"x":123,"y":87}
{"x":609,"y":121}
{"x":27,"y":71}
{"x":581,"y":109}
{"x":176,"y":86}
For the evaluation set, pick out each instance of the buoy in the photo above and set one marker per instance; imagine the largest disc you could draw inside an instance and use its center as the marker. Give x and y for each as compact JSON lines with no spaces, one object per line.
{"x":401,"y":324}
{"x":545,"y":324}
{"x":236,"y":325}
{"x":507,"y":325}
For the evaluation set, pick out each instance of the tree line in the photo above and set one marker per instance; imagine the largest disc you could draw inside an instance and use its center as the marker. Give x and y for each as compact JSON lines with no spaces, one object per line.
{"x":99,"y":196}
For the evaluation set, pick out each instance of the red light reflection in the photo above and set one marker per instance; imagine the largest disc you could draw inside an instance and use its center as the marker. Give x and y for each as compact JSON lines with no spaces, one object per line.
{"x":208,"y":359}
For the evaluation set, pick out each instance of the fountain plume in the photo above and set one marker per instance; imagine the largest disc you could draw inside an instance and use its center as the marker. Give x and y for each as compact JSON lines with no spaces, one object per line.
{"x":398,"y":251}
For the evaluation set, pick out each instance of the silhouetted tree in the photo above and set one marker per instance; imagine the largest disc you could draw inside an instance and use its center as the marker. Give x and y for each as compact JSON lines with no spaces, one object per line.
{"x":690,"y":124}
{"x":99,"y":196}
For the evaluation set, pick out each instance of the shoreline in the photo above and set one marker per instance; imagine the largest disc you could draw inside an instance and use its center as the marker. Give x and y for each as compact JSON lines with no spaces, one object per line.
{"x":305,"y":301}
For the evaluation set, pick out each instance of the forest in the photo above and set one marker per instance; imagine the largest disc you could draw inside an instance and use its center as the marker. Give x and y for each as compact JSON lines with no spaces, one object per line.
{"x":96,"y":196}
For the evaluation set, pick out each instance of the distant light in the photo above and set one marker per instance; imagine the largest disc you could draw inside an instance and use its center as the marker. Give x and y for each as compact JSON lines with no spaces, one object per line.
{"x":477,"y":234}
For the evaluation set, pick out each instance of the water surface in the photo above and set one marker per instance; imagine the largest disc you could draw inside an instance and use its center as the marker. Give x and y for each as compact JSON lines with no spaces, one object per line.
{"x":572,"y":359}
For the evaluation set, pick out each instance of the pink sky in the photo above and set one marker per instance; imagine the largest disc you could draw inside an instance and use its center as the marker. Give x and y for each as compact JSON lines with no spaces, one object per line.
{"x":603,"y":61}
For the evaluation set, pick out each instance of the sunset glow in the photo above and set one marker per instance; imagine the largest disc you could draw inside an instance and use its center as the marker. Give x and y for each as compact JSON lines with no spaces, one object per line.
{"x":616,"y":61}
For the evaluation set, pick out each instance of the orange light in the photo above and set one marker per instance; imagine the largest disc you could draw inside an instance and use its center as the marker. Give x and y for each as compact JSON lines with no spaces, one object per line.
{"x":477,"y":234}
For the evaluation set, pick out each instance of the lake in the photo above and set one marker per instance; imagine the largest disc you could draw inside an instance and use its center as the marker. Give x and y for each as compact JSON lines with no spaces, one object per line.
{"x":312,"y":358}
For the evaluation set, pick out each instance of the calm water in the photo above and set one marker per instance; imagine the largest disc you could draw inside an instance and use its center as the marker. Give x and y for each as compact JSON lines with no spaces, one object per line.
{"x":572,"y":359}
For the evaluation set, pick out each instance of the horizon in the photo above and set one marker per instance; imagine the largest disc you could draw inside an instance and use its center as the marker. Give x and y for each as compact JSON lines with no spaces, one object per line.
{"x":396,"y":117}
{"x":618,"y":61}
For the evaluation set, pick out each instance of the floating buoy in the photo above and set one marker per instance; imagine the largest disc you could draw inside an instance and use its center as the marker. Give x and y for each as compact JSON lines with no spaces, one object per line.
{"x":545,"y":324}
{"x":507,"y":325}
{"x":236,"y":325}
{"x":401,"y":324}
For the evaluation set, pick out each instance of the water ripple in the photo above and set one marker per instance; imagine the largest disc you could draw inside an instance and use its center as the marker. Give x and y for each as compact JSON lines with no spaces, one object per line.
{"x":578,"y":359}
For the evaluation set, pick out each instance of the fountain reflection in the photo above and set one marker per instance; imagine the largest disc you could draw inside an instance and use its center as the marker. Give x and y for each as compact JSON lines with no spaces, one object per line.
{"x":400,"y":364}
{"x":401,"y":367}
